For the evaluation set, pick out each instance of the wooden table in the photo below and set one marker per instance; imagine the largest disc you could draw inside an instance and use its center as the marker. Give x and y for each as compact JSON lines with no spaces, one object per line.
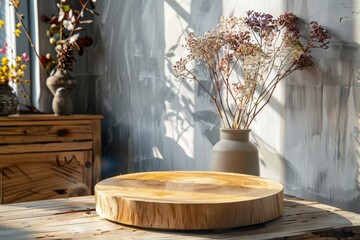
{"x":75,"y":218}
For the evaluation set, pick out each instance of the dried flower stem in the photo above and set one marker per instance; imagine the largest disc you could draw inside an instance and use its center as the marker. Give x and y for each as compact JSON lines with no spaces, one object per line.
{"x":79,"y":16}
{"x":61,"y":25}
{"x":217,"y":84}
{"x":27,"y":33}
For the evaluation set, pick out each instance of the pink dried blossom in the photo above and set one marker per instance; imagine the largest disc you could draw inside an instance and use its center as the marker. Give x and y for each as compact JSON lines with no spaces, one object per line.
{"x":25,"y":56}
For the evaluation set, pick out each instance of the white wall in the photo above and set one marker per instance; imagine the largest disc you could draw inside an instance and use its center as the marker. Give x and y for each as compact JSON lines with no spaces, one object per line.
{"x":307,"y":135}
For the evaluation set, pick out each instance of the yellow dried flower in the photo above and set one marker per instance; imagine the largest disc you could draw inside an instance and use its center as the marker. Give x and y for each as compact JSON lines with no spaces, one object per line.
{"x":12,"y":76}
{"x":23,"y":67}
{"x":18,"y":59}
{"x":2,"y":23}
{"x":27,"y":81}
{"x":18,"y":25}
{"x":16,"y":3}
{"x":20,"y":73}
{"x":17,"y":32}
{"x":4,"y":61}
{"x":4,"y":69}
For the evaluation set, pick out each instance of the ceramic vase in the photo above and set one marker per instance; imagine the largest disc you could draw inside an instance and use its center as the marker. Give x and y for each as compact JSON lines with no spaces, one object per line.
{"x":61,"y":79}
{"x":62,"y":104}
{"x":8,"y":100}
{"x":235,"y":153}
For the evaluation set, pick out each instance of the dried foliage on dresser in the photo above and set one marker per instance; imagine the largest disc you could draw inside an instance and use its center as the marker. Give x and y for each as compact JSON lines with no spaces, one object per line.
{"x":41,"y":156}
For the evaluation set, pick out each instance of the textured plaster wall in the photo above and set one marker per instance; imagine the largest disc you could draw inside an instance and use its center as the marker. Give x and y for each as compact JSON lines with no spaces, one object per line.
{"x":308,"y":136}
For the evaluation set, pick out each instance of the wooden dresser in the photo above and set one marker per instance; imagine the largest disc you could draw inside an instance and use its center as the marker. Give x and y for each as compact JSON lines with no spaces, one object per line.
{"x":41,"y":156}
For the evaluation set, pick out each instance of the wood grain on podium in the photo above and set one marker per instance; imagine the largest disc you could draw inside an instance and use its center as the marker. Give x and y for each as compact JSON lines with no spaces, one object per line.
{"x":189,"y":200}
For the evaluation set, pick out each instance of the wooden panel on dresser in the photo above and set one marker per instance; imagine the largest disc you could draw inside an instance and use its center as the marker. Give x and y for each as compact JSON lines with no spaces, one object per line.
{"x":42,"y":155}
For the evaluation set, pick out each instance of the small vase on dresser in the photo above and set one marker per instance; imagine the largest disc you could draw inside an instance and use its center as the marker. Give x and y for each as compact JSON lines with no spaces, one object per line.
{"x":235,"y":153}
{"x":61,"y":84}
{"x":8,"y":100}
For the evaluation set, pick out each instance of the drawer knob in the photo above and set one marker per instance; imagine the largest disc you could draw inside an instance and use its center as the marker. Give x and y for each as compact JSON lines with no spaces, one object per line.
{"x":62,"y":132}
{"x":88,"y":164}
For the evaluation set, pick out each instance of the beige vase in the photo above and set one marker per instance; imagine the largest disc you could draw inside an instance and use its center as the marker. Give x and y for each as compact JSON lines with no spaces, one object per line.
{"x":61,"y":78}
{"x":235,"y":153}
{"x":61,"y":84}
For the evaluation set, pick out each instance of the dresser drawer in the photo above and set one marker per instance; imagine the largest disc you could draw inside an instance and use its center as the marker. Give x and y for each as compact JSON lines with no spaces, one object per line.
{"x":45,"y":133}
{"x":36,"y":176}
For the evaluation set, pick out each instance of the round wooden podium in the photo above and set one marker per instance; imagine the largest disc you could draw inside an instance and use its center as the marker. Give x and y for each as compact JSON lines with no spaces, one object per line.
{"x":188,"y":200}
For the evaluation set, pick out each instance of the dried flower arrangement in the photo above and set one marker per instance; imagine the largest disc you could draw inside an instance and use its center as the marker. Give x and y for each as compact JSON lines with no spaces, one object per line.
{"x":64,"y":32}
{"x":246,"y":58}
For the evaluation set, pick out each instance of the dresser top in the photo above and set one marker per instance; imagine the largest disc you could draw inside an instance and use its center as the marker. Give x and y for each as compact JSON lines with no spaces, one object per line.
{"x":47,"y":117}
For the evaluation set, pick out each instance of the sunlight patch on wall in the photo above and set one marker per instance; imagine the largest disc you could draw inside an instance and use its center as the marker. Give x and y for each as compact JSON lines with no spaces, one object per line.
{"x":181,"y":99}
{"x":355,"y":17}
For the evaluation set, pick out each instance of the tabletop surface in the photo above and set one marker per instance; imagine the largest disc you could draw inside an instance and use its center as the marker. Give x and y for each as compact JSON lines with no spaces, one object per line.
{"x":75,"y":218}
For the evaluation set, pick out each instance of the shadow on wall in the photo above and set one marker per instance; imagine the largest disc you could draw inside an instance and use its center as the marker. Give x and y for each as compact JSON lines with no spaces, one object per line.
{"x":149,"y":124}
{"x":320,"y":155}
{"x":322,"y":119}
{"x":321,"y":111}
